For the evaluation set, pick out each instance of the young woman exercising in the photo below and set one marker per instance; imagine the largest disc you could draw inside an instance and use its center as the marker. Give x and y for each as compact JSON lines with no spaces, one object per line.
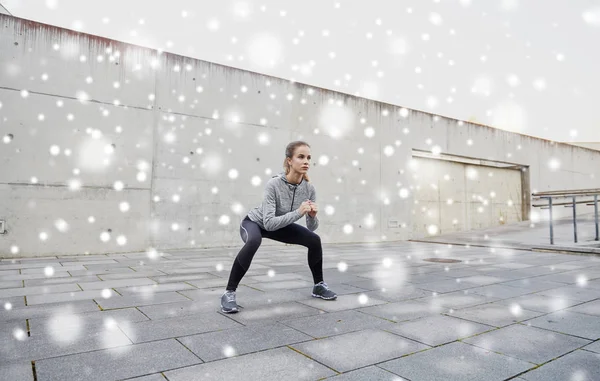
{"x":288,"y":197}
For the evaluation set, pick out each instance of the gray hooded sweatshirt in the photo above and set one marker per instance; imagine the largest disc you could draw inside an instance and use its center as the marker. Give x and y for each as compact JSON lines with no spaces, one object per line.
{"x":280,"y":204}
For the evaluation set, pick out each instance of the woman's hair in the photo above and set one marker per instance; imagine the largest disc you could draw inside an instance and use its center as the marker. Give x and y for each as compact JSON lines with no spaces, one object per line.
{"x":289,"y":153}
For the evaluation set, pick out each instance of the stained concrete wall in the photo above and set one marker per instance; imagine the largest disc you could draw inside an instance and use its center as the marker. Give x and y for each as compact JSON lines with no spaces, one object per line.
{"x":590,"y":145}
{"x":111,"y":147}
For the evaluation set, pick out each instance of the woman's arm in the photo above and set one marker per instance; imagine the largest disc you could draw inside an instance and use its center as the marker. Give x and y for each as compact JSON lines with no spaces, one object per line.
{"x":270,"y":221}
{"x":312,"y":223}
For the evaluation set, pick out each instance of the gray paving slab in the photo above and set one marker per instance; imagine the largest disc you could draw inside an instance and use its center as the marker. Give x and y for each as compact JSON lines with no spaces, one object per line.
{"x":101,"y":272}
{"x":570,"y":323}
{"x":61,"y":343}
{"x":343,"y":302}
{"x":402,"y":311}
{"x":483,"y":280}
{"x":145,"y":273}
{"x":337,"y":323}
{"x":154,"y":288}
{"x":13,"y":329}
{"x":527,"y":343}
{"x":339,"y":288}
{"x":371,"y":373}
{"x":140,"y":300}
{"x":582,"y":294}
{"x":366,"y":284}
{"x":260,"y":298}
{"x":458,"y":299}
{"x":567,"y":277}
{"x":396,"y":295}
{"x":242,"y":340}
{"x":11,"y":284}
{"x":438,"y":329}
{"x":38,"y":290}
{"x":181,"y":278}
{"x":594,"y":347}
{"x":595,"y":284}
{"x":61,"y":297}
{"x":61,"y":280}
{"x":426,"y":278}
{"x":446,"y":285}
{"x":214,"y":282}
{"x":178,"y":309}
{"x":40,"y":268}
{"x":117,"y":363}
{"x":495,"y":314}
{"x":35,"y":276}
{"x":463,"y":273}
{"x":86,"y":321}
{"x":152,"y":377}
{"x":539,"y":303}
{"x":499,"y":291}
{"x":532,"y":285}
{"x":213,"y":294}
{"x":283,"y":285}
{"x":277,"y":277}
{"x":578,"y":365}
{"x":271,"y":365}
{"x":99,"y":285}
{"x":17,"y":371}
{"x":29,"y":312}
{"x":3,"y":273}
{"x":273,"y":312}
{"x":456,"y":362}
{"x":11,"y":302}
{"x":152,"y":330}
{"x":342,"y":354}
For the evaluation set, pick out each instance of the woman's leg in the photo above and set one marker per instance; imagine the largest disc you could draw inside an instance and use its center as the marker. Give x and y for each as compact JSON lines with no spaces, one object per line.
{"x":252,"y":237}
{"x":299,"y":235}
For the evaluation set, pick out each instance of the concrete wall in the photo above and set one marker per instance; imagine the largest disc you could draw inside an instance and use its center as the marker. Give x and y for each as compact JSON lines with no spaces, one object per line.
{"x":590,"y":145}
{"x":193,"y":144}
{"x":451,"y":197}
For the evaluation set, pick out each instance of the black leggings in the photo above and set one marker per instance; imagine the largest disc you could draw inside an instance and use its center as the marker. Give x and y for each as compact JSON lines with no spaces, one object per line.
{"x":252,"y":235}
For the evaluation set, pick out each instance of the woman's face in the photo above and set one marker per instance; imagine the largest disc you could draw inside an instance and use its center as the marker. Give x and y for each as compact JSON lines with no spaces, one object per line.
{"x":300,"y":162}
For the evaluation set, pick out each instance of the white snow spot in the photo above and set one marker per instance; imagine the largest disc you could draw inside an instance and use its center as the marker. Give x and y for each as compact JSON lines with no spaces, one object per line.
{"x":432,"y":229}
{"x":554,"y":164}
{"x":49,"y":271}
{"x":348,"y":229}
{"x":229,"y":351}
{"x":265,"y":50}
{"x":592,"y":16}
{"x":104,"y":236}
{"x":19,"y":334}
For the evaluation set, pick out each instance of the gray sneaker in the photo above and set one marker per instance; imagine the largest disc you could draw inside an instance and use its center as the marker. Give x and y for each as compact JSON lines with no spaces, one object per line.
{"x":228,"y":304}
{"x":321,"y":290}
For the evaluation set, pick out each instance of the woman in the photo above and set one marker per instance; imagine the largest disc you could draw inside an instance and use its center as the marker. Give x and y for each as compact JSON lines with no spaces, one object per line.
{"x":275,"y":218}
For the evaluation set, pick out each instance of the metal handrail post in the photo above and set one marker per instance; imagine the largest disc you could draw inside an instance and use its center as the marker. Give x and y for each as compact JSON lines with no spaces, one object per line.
{"x":596,"y":215}
{"x":574,"y":220}
{"x":551,"y":226}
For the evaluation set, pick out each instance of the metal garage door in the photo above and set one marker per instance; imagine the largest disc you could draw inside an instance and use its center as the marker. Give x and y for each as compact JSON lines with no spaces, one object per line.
{"x":453,"y":196}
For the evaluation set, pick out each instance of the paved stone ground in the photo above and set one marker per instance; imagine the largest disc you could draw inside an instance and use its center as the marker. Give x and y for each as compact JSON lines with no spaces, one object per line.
{"x":498,"y":314}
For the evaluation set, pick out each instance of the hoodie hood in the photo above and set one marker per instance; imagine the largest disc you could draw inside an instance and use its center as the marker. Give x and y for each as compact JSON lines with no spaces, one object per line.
{"x":283,"y":177}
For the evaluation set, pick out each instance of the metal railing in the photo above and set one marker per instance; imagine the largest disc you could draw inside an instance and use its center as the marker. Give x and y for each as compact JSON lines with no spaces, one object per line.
{"x":590,"y":197}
